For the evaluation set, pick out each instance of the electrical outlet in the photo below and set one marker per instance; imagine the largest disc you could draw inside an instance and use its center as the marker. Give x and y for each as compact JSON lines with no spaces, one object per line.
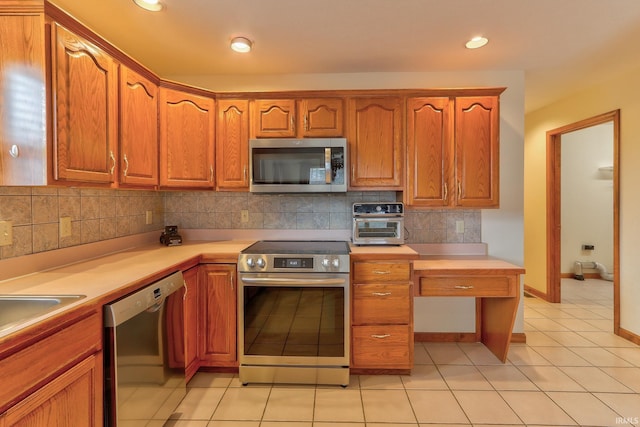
{"x":149,"y":218}
{"x":244,"y":216}
{"x":65,"y":226}
{"x":6,"y":233}
{"x":459,"y":226}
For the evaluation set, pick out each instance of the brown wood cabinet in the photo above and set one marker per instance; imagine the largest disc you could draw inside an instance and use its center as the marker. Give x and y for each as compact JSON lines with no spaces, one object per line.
{"x":217,"y":315}
{"x":23,"y":141}
{"x":452,"y":152}
{"x":182,"y":325}
{"x":187,"y":124}
{"x":273,"y":118}
{"x":321,"y":118}
{"x":376,"y":144}
{"x":138,"y":129}
{"x":477,"y":120}
{"x":382,"y":315}
{"x":57,"y":379}
{"x":430,"y":152}
{"x":232,"y":145}
{"x":303,"y":118}
{"x":84,"y":85}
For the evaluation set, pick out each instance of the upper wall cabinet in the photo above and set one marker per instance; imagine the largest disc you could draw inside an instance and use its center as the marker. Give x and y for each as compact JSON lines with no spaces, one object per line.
{"x":321,"y":118}
{"x":23,"y":138}
{"x":376,"y":146}
{"x":430,"y":153}
{"x":84,"y":94}
{"x":232,"y":145}
{"x":187,"y":124}
{"x":453,"y":152}
{"x":138,"y":130}
{"x":477,"y":145}
{"x":304,"y":118}
{"x":273,"y":118}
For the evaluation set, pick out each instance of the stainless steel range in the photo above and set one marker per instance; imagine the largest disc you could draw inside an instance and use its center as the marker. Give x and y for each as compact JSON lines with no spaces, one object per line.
{"x":293,"y":312}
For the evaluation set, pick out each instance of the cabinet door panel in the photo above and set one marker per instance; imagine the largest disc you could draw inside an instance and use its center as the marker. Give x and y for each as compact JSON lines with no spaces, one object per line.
{"x":232,"y":145}
{"x":138,"y":129}
{"x":84,"y":84}
{"x":71,"y":399}
{"x":375,"y":142}
{"x":430,"y":152}
{"x":22,"y":95}
{"x":274,"y":118}
{"x":321,"y":117}
{"x":187,"y":124}
{"x":217,"y":314}
{"x":477,"y":151}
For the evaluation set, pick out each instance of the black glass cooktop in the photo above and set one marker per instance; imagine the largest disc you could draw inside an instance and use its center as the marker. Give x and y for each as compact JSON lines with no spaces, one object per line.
{"x":302,"y":247}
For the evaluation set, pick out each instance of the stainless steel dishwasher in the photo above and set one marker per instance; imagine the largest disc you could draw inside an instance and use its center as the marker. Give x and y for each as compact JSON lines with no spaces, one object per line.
{"x":144,"y":354}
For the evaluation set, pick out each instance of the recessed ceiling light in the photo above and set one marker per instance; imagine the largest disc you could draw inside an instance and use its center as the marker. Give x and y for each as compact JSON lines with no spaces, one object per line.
{"x":476,"y":42}
{"x":241,"y":44}
{"x":152,"y":5}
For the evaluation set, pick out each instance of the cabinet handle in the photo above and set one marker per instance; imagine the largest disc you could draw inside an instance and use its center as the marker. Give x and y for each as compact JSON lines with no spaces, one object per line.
{"x":380,"y":336}
{"x":211,"y":173}
{"x":126,"y":165}
{"x":186,"y":290}
{"x":306,"y":122}
{"x":232,"y":287}
{"x":381,"y":272}
{"x":244,"y":173}
{"x":446,"y":191}
{"x":381,"y":294}
{"x":293,"y":124}
{"x":459,"y":190}
{"x":463,"y":287}
{"x":113,"y":162}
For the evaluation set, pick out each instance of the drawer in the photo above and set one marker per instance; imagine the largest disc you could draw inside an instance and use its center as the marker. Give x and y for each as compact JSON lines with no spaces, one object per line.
{"x":389,"y":347}
{"x":381,"y":304}
{"x":381,"y":272}
{"x":468,"y":286}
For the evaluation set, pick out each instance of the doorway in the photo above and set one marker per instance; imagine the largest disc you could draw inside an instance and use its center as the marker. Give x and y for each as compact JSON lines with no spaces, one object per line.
{"x":554,"y":198}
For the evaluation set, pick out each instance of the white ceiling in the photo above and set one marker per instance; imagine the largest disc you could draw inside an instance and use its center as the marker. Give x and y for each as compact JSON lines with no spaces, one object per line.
{"x":562,"y":45}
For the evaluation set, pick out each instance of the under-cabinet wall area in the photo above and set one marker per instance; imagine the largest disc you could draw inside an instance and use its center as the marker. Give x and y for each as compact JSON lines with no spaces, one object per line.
{"x":103,"y":214}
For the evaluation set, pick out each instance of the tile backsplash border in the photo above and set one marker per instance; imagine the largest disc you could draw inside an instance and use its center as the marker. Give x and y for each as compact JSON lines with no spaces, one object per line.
{"x":103,"y":214}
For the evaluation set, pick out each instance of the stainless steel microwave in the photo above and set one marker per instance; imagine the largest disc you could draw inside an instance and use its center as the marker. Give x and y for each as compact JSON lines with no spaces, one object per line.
{"x":308,"y":165}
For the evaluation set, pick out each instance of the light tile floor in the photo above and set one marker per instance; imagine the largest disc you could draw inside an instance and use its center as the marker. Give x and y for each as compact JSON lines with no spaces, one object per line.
{"x":572,"y":371}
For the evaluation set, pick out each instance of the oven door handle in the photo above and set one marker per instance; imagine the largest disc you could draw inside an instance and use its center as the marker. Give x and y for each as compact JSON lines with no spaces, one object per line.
{"x":289,"y":282}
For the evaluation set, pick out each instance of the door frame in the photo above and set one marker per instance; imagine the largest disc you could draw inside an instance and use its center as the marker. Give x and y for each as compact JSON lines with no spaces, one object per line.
{"x":554,"y":207}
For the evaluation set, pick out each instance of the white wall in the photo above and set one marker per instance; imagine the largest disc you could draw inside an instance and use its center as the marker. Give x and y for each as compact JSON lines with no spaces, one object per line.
{"x":587,"y":197}
{"x":502,"y":228}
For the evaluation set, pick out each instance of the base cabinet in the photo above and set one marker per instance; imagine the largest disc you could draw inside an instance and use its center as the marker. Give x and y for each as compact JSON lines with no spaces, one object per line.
{"x":217,"y":315}
{"x":57,"y":380}
{"x":382,"y":316}
{"x":68,"y":400}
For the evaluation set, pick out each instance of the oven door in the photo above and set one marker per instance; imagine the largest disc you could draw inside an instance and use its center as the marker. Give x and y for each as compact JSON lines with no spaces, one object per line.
{"x":293,"y":319}
{"x":378,"y":231}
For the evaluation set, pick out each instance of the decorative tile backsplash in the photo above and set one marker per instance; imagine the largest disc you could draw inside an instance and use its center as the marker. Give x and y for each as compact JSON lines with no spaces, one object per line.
{"x":101,"y":214}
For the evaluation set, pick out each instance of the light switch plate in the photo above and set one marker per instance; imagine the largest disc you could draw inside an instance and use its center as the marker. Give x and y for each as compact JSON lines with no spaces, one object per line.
{"x":6,"y":233}
{"x":65,"y":226}
{"x":459,"y":226}
{"x":244,"y":216}
{"x":149,"y":218}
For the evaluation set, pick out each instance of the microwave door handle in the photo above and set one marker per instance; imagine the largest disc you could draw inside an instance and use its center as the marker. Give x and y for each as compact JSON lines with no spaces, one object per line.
{"x":327,"y":165}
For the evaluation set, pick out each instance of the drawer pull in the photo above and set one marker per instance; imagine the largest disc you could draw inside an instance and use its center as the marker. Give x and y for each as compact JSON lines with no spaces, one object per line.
{"x":381,"y":272}
{"x":380,"y":336}
{"x":464,"y":287}
{"x":381,"y":294}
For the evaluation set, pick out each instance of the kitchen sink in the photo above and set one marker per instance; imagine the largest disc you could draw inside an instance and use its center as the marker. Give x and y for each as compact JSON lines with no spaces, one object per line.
{"x":16,"y":309}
